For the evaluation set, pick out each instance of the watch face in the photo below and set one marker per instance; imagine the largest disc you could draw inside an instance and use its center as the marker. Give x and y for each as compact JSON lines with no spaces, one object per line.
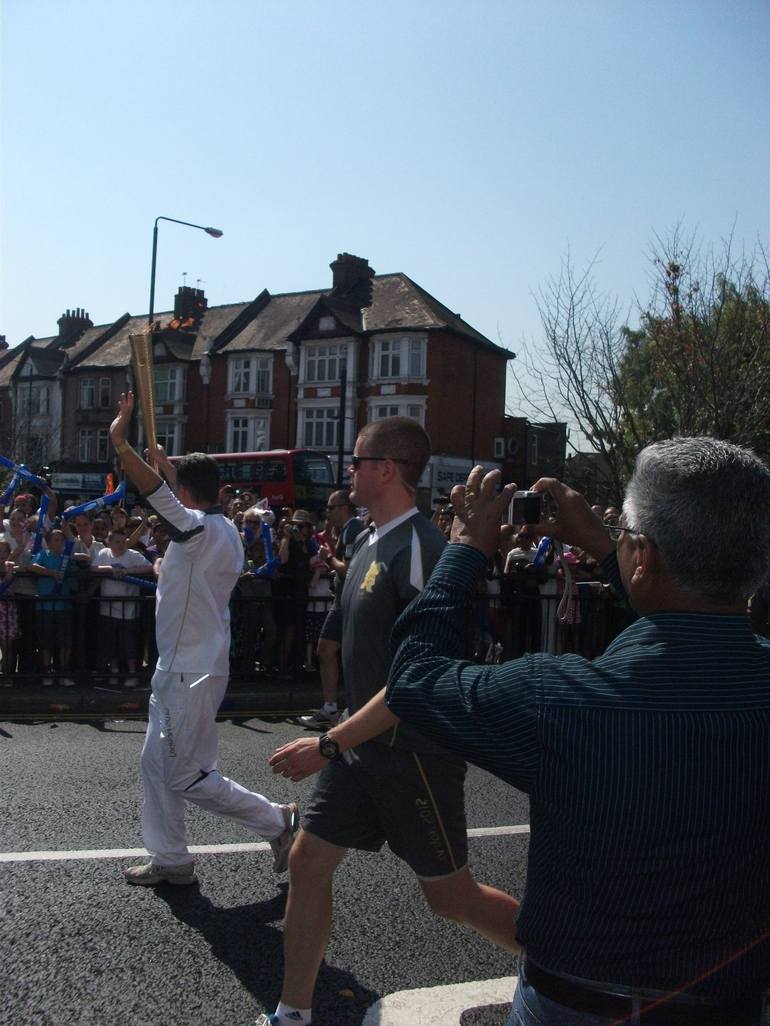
{"x":328,"y":748}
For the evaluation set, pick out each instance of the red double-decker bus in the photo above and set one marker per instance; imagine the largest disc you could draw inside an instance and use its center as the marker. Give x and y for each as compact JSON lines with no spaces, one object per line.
{"x":298,"y":478}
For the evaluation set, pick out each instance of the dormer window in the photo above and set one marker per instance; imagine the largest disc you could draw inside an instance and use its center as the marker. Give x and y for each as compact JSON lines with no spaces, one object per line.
{"x":326,"y":323}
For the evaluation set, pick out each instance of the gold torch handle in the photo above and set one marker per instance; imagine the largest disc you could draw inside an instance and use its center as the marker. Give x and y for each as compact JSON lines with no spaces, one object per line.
{"x":144,"y":377}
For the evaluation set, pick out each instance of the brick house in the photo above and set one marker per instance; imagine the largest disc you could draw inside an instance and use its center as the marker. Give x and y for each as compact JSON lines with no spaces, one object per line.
{"x":268,"y":374}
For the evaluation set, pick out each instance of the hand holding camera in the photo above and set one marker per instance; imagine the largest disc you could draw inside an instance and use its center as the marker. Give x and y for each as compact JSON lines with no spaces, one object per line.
{"x":566,"y":515}
{"x":479,"y":509}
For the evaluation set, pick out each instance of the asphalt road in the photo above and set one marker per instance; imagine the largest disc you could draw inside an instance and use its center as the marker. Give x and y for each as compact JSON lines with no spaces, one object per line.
{"x":82,"y":948}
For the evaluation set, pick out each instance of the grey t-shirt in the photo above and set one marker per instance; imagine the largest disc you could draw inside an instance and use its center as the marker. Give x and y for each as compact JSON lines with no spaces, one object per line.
{"x":381,"y":581}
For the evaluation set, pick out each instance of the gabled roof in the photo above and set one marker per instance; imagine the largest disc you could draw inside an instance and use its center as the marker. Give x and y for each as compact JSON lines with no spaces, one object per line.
{"x":398,"y":302}
{"x":266,"y":323}
{"x":114,"y":351}
{"x":10,"y":360}
{"x":214,"y":323}
{"x":90,"y":341}
{"x":272,"y":326}
{"x":44,"y":363}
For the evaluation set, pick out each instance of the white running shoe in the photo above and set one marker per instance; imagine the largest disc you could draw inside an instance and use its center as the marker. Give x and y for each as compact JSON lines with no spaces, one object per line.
{"x":281,"y":844}
{"x":320,"y":720}
{"x":148,"y":875}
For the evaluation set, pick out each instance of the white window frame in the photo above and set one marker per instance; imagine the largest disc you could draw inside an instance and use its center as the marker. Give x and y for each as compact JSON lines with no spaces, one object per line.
{"x":250,"y":375}
{"x":93,"y":445}
{"x":413,"y":406}
{"x":174,"y":383}
{"x":315,"y":421}
{"x":102,"y":445}
{"x":105,"y":392}
{"x":88,"y":393}
{"x":164,"y":427}
{"x":407,"y":351}
{"x":85,"y":445}
{"x":322,"y":362}
{"x":35,"y":401}
{"x":253,"y":427}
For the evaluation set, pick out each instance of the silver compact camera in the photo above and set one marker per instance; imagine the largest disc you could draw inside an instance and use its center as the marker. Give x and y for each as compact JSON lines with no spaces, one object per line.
{"x":527,"y":507}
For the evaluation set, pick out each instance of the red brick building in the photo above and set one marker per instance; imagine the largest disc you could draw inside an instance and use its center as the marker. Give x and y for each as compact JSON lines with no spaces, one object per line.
{"x":268,"y":374}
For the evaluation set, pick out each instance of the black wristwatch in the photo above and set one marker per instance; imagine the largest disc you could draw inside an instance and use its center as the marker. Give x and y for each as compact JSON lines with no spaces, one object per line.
{"x":328,"y":747}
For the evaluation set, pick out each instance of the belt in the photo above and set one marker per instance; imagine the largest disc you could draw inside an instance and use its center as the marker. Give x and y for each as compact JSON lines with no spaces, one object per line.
{"x":675,"y":1011}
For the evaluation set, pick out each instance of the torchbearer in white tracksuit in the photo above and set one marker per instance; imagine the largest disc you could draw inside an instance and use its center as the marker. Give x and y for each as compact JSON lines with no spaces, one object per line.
{"x":179,"y":760}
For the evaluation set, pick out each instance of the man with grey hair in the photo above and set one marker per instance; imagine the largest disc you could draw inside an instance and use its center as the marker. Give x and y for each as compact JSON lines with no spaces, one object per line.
{"x":648,"y":886}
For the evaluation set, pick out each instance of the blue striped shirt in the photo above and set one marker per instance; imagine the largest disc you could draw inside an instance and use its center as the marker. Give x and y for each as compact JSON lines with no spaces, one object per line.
{"x":648,"y":771}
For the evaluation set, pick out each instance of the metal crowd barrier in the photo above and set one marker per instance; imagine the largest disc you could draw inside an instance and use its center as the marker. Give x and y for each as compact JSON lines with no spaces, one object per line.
{"x":518,"y":620}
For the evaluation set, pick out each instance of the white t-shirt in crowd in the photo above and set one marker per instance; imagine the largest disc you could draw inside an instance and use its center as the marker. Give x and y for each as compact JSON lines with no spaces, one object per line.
{"x":198,"y":572}
{"x":115,"y":589}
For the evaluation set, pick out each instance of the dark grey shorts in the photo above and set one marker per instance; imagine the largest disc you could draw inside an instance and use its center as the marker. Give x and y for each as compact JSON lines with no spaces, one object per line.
{"x":332,"y":628}
{"x":414,"y":802}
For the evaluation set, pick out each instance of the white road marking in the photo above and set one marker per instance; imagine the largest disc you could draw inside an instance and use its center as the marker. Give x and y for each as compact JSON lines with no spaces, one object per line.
{"x":439,"y":1006}
{"x":200,"y":849}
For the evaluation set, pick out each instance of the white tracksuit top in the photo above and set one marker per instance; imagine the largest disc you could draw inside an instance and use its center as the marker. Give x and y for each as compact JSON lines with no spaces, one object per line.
{"x":197,"y":575}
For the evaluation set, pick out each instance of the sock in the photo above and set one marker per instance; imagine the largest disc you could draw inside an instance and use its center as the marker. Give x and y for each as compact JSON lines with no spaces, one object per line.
{"x":288,"y":1015}
{"x":330,"y":707}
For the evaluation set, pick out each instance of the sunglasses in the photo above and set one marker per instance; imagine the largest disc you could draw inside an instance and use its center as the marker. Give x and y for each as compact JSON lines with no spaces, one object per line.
{"x":356,"y":460}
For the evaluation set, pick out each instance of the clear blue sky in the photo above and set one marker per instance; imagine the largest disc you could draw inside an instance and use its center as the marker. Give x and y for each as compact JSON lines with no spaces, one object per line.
{"x":467,"y":144}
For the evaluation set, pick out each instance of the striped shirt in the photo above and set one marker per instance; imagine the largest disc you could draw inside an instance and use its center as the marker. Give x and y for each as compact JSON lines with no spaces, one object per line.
{"x":648,"y":771}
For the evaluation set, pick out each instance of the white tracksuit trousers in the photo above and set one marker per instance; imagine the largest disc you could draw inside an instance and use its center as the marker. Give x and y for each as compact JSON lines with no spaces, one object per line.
{"x":179,"y":762}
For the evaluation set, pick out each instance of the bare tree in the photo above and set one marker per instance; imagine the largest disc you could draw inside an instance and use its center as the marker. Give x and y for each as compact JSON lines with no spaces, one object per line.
{"x":699,"y":363}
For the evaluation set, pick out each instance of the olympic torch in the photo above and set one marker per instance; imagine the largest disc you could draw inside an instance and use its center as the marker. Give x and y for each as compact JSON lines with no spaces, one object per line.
{"x":144,"y":378}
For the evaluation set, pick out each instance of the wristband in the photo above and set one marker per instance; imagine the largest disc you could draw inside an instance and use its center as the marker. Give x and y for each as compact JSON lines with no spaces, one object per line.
{"x":121,"y":448}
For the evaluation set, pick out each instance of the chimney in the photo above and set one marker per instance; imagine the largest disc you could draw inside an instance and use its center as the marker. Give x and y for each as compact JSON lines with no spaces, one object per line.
{"x":189,"y":302}
{"x":351,"y":280}
{"x":72,"y":325}
{"x":3,"y":343}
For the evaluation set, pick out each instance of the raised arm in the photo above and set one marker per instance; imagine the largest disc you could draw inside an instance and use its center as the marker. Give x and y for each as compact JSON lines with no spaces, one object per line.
{"x":144,"y":478}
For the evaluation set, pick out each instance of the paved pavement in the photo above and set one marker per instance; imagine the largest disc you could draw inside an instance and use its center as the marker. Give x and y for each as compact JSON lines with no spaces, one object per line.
{"x":82,"y":948}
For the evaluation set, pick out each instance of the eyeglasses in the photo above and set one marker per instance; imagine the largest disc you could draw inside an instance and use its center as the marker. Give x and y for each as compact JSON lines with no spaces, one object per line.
{"x":356,"y":460}
{"x":615,"y":532}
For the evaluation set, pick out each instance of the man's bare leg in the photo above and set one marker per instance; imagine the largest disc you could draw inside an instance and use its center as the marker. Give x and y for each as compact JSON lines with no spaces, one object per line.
{"x":308,"y":915}
{"x":486,"y":910}
{"x":329,"y":665}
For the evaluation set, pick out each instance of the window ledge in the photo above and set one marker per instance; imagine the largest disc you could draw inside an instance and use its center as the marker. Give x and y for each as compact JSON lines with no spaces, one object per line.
{"x":374,"y":382}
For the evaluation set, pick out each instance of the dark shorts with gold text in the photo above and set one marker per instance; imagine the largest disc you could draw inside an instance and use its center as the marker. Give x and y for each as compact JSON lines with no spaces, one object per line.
{"x":415,"y":802}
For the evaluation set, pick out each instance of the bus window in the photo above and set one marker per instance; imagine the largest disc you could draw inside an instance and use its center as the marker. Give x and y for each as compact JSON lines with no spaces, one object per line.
{"x":274,"y":470}
{"x":240,"y":473}
{"x":309,"y":469}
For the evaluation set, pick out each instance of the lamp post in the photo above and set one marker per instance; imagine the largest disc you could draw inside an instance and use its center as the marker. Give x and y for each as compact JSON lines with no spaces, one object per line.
{"x":215,"y":233}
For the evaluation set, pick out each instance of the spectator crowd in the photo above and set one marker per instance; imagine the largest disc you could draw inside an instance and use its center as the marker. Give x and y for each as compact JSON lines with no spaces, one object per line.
{"x":77,"y":602}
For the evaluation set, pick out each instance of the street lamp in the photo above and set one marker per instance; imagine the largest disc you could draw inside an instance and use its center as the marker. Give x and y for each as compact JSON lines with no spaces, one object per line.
{"x":215,"y":233}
